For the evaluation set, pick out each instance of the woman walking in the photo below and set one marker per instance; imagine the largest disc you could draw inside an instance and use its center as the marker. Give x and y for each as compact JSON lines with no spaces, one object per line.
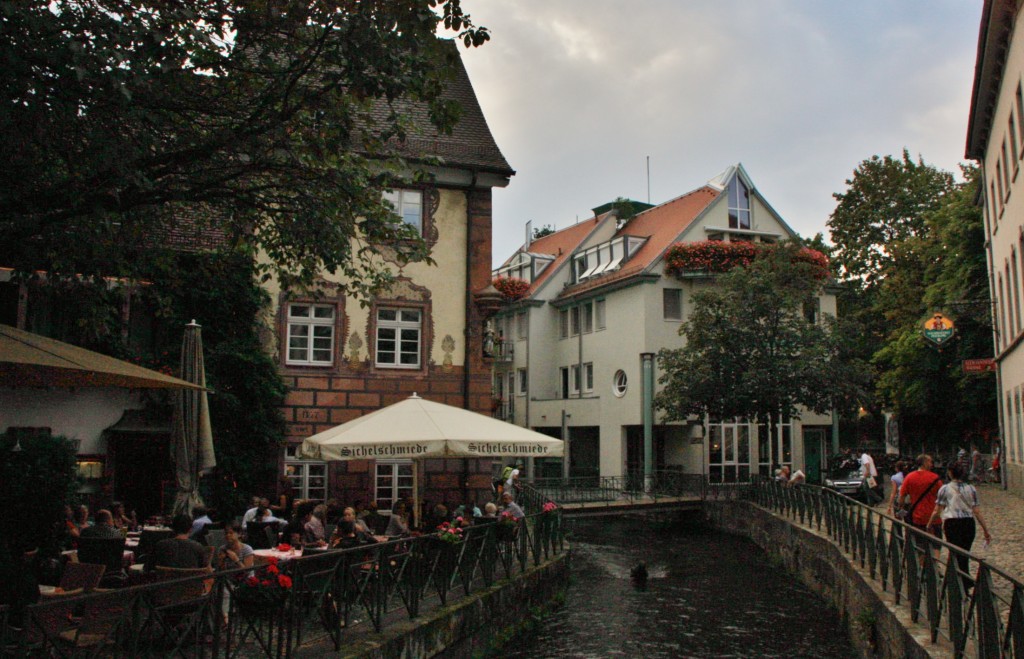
{"x":957,"y":505}
{"x":897,"y":482}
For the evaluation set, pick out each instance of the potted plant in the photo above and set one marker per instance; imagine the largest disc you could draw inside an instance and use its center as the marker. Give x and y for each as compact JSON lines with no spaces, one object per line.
{"x":506,"y":527}
{"x":263,"y":592}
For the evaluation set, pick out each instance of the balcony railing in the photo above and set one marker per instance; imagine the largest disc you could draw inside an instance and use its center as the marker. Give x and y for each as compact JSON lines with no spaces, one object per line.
{"x":332,"y":594}
{"x":502,"y":351}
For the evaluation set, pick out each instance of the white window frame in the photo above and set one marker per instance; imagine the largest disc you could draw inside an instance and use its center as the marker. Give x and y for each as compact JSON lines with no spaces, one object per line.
{"x":600,"y":321}
{"x":574,"y":379}
{"x":522,"y":326}
{"x":588,"y":377}
{"x":522,"y":381}
{"x":300,"y":472}
{"x":401,"y":487}
{"x":399,"y":326}
{"x":575,"y":321}
{"x":735,"y":204}
{"x":665,"y":293}
{"x":587,"y":317}
{"x":408,"y":206}
{"x":311,"y":324}
{"x":620,"y":383}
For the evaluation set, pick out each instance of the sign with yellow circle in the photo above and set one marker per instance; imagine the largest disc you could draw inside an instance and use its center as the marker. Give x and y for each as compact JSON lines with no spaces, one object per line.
{"x":938,"y":329}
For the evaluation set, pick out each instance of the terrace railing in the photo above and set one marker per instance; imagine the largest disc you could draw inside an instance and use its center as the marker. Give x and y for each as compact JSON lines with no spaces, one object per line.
{"x":629,"y":488}
{"x":331,"y":595}
{"x":976,"y":606}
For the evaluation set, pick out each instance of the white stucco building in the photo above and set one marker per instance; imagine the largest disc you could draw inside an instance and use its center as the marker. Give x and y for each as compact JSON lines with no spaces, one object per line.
{"x":995,"y":139}
{"x":568,"y":355}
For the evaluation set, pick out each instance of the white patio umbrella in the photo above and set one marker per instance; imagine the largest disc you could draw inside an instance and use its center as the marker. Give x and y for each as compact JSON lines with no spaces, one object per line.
{"x":192,"y":448}
{"x":418,"y":428}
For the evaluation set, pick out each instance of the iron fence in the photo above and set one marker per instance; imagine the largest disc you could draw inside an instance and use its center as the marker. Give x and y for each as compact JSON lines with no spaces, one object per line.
{"x":331,"y":594}
{"x":974,"y":605}
{"x":629,"y":488}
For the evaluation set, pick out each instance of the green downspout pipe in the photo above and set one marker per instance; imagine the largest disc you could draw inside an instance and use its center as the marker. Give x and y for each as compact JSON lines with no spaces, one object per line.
{"x":647,"y":401}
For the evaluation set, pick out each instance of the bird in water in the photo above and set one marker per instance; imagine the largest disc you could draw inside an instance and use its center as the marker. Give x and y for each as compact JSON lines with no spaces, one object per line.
{"x":639,"y":574}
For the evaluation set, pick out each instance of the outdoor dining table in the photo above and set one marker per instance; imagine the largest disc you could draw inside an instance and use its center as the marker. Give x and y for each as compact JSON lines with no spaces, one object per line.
{"x":128,"y":557}
{"x":279,"y":555}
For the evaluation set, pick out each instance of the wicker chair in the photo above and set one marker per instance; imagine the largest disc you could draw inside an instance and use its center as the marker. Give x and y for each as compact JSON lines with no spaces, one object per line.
{"x":47,"y":620}
{"x":85,"y":576}
{"x":108,"y":552}
{"x":180,"y":609}
{"x":103,"y":616}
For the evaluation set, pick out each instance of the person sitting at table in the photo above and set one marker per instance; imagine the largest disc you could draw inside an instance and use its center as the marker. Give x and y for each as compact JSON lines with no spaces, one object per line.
{"x":397,"y":525}
{"x":254,"y":514}
{"x":121,"y":520}
{"x":234,"y":553}
{"x":81,"y":519}
{"x":178,"y":551}
{"x":348,"y":514}
{"x":347,"y":535}
{"x":468,"y":509}
{"x":71,"y":532}
{"x":313,"y":532}
{"x":373,"y":519}
{"x":199,"y":524}
{"x":511,"y":506}
{"x":103,"y":528}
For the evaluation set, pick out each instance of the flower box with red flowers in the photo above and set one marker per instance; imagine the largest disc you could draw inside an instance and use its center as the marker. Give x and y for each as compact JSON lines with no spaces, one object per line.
{"x":451,"y":533}
{"x":710,"y":257}
{"x":511,"y":288}
{"x":283,"y":547}
{"x":264,"y":590}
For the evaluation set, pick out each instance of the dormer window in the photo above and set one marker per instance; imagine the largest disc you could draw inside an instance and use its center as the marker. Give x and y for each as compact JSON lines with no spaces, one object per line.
{"x":605,"y":257}
{"x":739,"y":204}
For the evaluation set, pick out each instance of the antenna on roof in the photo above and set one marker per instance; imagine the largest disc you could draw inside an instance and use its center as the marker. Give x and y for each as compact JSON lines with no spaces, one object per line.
{"x":648,"y":179}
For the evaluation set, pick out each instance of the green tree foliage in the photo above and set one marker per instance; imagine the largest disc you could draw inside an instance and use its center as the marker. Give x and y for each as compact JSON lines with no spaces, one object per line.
{"x":285,"y":117}
{"x":545,"y":230}
{"x":751,"y":352}
{"x":222,"y":294}
{"x":944,"y":269}
{"x":36,"y":483}
{"x":885,"y":202}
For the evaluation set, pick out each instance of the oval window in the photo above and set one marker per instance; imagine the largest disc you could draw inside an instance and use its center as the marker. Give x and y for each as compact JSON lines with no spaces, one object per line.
{"x":619,"y":383}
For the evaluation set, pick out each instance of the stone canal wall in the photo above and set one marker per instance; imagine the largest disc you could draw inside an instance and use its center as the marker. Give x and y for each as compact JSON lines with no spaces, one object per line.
{"x":469,"y":626}
{"x":876,"y":626}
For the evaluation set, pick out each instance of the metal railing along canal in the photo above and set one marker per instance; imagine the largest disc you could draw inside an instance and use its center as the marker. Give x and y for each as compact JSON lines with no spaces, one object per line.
{"x":331,"y":594}
{"x":979,"y":610}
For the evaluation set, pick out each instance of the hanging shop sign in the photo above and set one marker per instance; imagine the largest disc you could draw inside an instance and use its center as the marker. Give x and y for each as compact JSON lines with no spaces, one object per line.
{"x":939,"y":330}
{"x":979,"y":365}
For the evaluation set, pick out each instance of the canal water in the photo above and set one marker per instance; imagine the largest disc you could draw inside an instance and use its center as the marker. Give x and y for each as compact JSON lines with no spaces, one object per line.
{"x":709,"y":594}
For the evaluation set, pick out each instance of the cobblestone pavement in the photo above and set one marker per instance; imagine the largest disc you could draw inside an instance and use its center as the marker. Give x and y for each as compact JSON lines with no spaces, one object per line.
{"x":1004,"y":513}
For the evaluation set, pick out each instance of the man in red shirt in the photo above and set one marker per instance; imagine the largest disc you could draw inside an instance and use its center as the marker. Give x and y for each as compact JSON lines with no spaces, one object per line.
{"x":918,"y":490}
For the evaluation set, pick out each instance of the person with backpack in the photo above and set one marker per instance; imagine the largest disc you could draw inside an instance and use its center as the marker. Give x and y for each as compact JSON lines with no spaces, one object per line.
{"x":918,"y":491}
{"x":505,"y":481}
{"x":511,"y":477}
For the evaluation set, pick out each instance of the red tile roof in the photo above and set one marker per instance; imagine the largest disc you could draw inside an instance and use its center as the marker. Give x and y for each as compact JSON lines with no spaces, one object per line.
{"x":661,"y":226}
{"x":559,"y":244}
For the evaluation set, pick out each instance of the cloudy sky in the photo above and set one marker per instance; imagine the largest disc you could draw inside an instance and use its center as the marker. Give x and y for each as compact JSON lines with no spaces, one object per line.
{"x":578,"y":93}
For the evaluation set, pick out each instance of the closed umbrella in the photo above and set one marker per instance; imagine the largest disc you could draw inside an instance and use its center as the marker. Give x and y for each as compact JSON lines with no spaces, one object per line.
{"x":192,"y":449}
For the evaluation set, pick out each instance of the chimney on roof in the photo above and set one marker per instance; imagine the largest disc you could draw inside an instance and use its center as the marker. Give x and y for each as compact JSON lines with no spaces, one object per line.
{"x":529,"y":235}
